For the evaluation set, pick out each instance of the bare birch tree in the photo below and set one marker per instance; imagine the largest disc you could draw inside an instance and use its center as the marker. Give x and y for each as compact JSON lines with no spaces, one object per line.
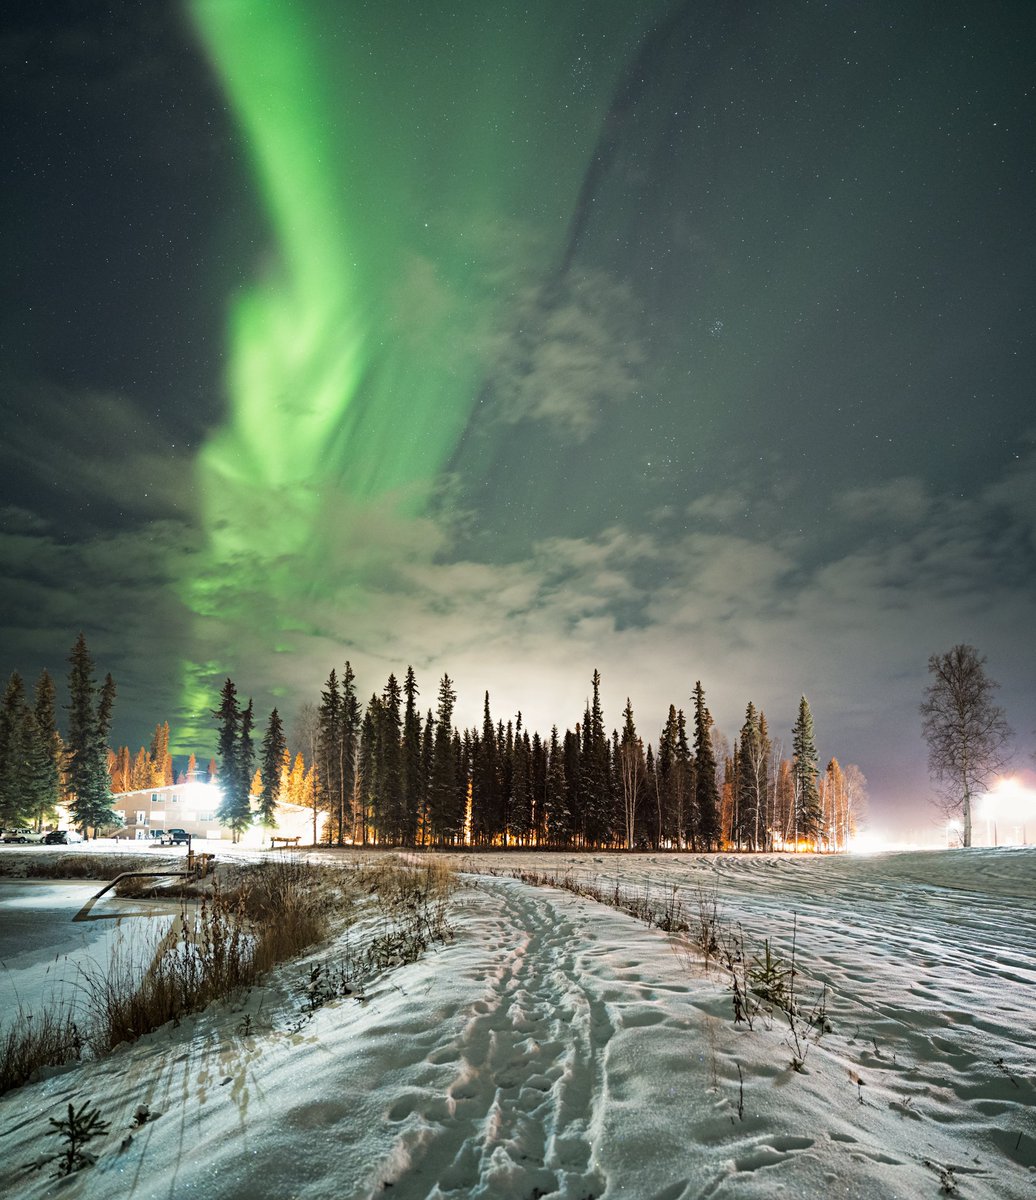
{"x":967,"y":733}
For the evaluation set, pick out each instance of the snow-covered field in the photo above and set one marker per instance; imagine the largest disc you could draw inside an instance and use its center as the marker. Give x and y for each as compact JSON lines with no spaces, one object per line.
{"x":557,"y":1048}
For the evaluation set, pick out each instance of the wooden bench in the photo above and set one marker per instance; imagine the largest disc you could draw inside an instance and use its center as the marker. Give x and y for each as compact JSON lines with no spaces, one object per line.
{"x":283,"y":841}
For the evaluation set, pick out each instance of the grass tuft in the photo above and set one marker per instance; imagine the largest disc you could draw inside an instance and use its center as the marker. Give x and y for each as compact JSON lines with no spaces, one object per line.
{"x":258,"y":916}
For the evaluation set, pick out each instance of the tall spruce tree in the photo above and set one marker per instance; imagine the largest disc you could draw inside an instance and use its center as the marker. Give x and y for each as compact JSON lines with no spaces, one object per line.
{"x":89,"y":723}
{"x":654,"y":799}
{"x":557,"y":827}
{"x":808,"y":813}
{"x":521,"y":785}
{"x":329,"y":750}
{"x":45,"y":753}
{"x":414,"y":782}
{"x":348,"y":751}
{"x":98,"y":812}
{"x":572,"y":760}
{"x":275,"y":747}
{"x":235,"y":775}
{"x":538,"y":786}
{"x":14,"y":753}
{"x":753,"y":753}
{"x":367,"y":809}
{"x":706,"y":792}
{"x":392,"y":820}
{"x":80,"y":717}
{"x":631,"y":773}
{"x":684,"y":777}
{"x":486,"y":821}
{"x":442,"y":798}
{"x":245,"y":769}
{"x":595,"y":775}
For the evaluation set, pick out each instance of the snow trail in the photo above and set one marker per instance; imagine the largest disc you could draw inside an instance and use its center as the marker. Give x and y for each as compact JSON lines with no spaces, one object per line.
{"x":519,"y":1110}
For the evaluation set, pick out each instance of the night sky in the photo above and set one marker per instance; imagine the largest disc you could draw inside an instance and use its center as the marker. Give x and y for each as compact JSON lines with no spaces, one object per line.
{"x":682,"y":340}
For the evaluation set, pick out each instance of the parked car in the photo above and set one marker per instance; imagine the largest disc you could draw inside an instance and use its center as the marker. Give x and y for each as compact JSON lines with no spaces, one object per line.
{"x":176,"y":837}
{"x":62,"y":837}
{"x":22,"y":835}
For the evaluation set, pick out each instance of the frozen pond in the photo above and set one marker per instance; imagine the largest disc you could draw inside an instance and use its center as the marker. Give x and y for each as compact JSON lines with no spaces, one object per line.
{"x":43,"y":950}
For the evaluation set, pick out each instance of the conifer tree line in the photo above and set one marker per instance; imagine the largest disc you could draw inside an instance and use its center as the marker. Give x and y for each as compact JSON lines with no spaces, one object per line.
{"x":39,"y":768}
{"x":386,"y":773}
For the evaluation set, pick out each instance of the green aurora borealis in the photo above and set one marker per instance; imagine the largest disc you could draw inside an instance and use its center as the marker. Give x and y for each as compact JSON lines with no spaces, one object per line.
{"x":402,"y":236}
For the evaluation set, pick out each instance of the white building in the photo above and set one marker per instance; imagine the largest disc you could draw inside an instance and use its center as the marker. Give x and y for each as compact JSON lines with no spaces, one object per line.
{"x":193,"y":806}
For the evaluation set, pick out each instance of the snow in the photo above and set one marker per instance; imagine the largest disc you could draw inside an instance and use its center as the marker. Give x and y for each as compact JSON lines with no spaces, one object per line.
{"x":559,"y":1048}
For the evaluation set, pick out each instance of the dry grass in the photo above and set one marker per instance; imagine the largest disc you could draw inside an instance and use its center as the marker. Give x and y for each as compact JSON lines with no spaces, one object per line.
{"x":34,"y":1040}
{"x":74,"y":866}
{"x":258,"y":916}
{"x":665,"y":911}
{"x":266,"y":914}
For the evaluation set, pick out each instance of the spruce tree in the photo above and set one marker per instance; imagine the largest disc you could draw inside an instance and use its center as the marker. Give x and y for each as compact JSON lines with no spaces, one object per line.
{"x":390,"y":764}
{"x":329,"y":751}
{"x":97,"y":812}
{"x":486,"y":821}
{"x":442,"y":792}
{"x":654,"y":798}
{"x":557,"y":826}
{"x":706,"y":793}
{"x":367,"y":812}
{"x":573,"y":810}
{"x":521,"y":784}
{"x":595,"y":776}
{"x":630,"y":759}
{"x":229,"y":718}
{"x":538,"y":786}
{"x":79,"y":743}
{"x":414,"y":781}
{"x":15,"y":738}
{"x":89,"y":723}
{"x":684,"y":777}
{"x":751,"y":782}
{"x":245,"y":771}
{"x":274,"y":749}
{"x":808,"y":815}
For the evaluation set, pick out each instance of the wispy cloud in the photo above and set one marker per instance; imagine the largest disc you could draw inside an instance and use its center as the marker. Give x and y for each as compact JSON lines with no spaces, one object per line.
{"x":573,"y":353}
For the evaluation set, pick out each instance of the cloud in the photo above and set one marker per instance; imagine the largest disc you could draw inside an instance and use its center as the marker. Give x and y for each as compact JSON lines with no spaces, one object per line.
{"x":573,"y":354}
{"x":902,"y":501}
{"x":101,"y":462}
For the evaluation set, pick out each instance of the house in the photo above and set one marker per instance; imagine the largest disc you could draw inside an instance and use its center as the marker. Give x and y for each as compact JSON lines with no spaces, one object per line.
{"x":193,"y":806}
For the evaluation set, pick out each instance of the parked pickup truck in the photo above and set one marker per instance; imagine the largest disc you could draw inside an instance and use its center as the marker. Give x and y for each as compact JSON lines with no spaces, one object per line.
{"x":175,"y":837}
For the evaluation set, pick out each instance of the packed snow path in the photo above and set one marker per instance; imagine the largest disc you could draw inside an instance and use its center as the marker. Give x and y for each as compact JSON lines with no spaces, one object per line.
{"x":575,"y":1068}
{"x":559,"y":1049}
{"x":516,"y":1117}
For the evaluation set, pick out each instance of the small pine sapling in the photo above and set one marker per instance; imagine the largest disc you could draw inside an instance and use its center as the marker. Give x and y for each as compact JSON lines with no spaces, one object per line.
{"x":77,"y":1129}
{"x":770,"y":978}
